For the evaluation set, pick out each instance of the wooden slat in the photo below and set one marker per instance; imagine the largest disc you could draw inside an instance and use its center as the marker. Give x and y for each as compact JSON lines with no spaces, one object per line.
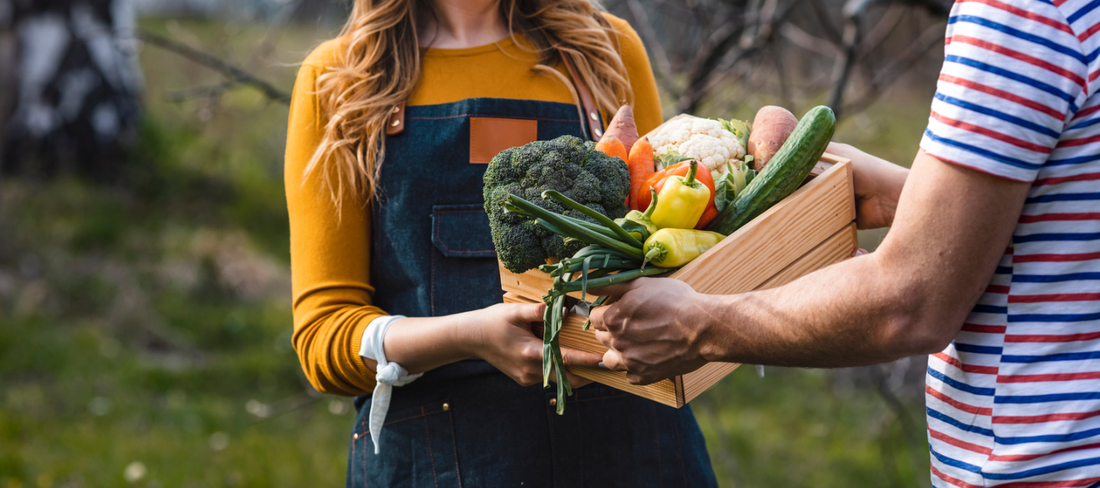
{"x":834,"y":250}
{"x":663,"y":392}
{"x":698,"y":381}
{"x":532,"y":284}
{"x":775,"y":239}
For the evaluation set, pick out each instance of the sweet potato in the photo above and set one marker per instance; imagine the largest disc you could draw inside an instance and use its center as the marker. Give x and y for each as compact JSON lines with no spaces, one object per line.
{"x":622,"y":126}
{"x":770,"y":130}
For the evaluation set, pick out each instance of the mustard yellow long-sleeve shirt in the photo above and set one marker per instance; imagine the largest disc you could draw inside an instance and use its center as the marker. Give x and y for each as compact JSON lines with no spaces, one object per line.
{"x":330,"y":255}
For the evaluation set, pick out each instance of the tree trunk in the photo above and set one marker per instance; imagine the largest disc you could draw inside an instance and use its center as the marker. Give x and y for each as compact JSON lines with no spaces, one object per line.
{"x":69,"y":70}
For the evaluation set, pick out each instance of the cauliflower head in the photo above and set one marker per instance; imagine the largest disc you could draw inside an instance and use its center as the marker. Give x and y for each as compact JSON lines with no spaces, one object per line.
{"x":704,"y":140}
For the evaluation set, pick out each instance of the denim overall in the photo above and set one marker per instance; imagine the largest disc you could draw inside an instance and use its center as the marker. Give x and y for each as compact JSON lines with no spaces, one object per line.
{"x":467,"y":424}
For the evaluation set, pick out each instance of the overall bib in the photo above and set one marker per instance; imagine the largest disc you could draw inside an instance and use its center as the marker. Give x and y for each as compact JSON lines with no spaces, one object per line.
{"x":467,"y":424}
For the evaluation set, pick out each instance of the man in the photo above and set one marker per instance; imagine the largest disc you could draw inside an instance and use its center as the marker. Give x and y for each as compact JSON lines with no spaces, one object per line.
{"x":992,"y":263}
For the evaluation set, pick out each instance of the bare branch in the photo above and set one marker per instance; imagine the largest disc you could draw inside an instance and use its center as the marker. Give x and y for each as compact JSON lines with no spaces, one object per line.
{"x":809,"y":42}
{"x":201,"y":91}
{"x":889,"y":21}
{"x":896,"y":405}
{"x":822,"y":14}
{"x":928,"y":40}
{"x":719,"y":59}
{"x":232,"y":72}
{"x":843,"y":68}
{"x":652,"y":41}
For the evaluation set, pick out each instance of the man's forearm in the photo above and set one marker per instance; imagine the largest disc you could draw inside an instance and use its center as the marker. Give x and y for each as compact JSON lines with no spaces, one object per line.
{"x":909,"y":297}
{"x":849,"y":314}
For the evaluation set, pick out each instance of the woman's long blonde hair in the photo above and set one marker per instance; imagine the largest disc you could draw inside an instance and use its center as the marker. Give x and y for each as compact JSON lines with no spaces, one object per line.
{"x":379,"y":65}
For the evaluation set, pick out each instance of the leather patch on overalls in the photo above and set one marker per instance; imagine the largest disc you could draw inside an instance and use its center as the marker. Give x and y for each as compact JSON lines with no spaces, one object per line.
{"x":489,"y":136}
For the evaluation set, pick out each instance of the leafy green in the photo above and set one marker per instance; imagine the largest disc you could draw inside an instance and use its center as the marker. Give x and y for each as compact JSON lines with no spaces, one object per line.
{"x":729,"y":186}
{"x":739,"y":128}
{"x":670,"y":158}
{"x":725,"y":193}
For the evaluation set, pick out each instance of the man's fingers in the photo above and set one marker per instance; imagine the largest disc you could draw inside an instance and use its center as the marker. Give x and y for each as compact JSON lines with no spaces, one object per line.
{"x":613,"y":360}
{"x":596,"y":317}
{"x":604,"y":337}
{"x":573,"y":357}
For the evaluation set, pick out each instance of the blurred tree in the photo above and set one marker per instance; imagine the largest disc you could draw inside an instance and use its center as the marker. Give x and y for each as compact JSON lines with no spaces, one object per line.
{"x":69,"y":75}
{"x":712,"y":56}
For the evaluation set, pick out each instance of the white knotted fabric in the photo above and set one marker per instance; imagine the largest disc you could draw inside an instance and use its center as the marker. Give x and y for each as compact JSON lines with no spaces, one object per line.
{"x":387,"y":375}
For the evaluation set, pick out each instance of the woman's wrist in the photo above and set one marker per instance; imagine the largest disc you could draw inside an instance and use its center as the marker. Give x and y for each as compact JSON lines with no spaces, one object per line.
{"x":467,"y":333}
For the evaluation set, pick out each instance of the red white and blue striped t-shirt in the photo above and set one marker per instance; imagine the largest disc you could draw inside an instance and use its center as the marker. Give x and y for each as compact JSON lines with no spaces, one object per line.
{"x":1015,"y":399}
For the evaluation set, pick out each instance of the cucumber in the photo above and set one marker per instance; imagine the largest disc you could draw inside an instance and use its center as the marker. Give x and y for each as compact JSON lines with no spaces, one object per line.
{"x":783,"y":174}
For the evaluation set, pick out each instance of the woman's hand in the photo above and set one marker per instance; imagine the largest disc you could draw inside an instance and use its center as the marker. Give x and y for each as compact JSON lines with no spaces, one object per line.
{"x":502,"y":336}
{"x":878,"y":186}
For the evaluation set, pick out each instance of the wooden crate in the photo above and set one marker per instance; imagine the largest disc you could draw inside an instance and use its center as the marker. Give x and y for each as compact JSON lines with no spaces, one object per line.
{"x":810,"y":229}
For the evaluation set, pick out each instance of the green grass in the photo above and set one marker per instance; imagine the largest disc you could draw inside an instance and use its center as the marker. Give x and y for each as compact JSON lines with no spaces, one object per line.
{"x":144,"y":326}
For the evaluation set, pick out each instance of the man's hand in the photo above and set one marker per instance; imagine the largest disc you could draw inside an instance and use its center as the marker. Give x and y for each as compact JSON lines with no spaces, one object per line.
{"x":654,"y":328}
{"x":878,"y":185}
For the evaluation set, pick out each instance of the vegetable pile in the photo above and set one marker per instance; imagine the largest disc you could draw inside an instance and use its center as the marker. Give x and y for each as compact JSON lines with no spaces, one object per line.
{"x":705,"y":182}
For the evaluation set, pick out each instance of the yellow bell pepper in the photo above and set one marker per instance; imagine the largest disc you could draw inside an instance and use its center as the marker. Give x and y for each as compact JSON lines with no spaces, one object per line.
{"x":682,"y":201}
{"x":672,"y":248}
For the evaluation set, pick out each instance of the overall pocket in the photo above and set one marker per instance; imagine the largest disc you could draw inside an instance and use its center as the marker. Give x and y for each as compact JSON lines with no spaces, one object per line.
{"x":464,"y":270}
{"x":417,"y":449}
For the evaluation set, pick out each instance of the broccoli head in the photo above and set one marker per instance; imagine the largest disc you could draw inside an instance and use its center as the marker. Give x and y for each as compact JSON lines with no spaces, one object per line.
{"x":566,"y":164}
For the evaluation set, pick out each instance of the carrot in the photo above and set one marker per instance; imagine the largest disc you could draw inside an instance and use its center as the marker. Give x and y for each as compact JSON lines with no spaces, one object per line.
{"x":622,"y":126}
{"x":612,"y":146}
{"x":641,"y":168}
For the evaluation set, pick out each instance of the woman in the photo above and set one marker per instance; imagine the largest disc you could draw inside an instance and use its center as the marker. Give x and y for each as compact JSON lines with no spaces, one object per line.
{"x":389,"y":127}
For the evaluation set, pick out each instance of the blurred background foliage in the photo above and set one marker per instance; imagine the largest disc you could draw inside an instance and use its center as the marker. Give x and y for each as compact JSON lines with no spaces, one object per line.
{"x":145,"y":318}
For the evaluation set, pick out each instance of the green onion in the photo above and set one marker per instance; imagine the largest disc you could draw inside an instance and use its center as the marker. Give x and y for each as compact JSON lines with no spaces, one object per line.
{"x":621,"y":277}
{"x":601,"y":218}
{"x":577,"y":232}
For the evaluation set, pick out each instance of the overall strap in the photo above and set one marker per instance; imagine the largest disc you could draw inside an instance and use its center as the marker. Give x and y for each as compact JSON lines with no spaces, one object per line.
{"x":591,"y":112}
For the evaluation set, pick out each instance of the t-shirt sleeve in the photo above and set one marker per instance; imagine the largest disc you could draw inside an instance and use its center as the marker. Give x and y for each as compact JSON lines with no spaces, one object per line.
{"x":1012,"y":76}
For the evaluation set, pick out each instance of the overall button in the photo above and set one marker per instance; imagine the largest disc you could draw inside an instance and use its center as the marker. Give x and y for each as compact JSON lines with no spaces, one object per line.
{"x":553,"y":402}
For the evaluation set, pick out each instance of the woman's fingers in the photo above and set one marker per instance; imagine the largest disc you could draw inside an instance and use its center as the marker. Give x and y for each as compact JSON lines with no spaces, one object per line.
{"x":573,"y":357}
{"x":528,"y":313}
{"x":576,"y":381}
